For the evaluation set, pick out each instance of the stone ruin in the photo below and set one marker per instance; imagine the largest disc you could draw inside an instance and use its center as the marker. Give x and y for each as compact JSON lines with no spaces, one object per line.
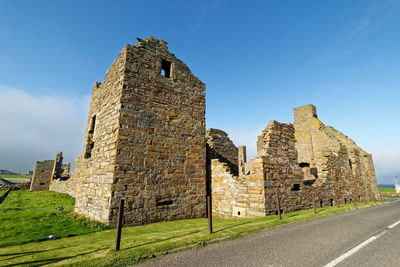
{"x":146,"y":143}
{"x":47,"y":172}
{"x":293,"y":162}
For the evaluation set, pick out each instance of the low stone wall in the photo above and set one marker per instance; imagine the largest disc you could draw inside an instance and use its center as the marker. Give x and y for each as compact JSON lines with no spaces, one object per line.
{"x":21,"y":186}
{"x":233,"y":196}
{"x":389,"y":194}
{"x":63,"y":186}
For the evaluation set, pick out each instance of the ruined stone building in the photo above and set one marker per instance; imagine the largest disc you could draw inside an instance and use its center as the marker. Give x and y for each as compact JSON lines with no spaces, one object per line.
{"x":47,"y":171}
{"x":146,"y":143}
{"x":293,"y":162}
{"x":144,"y":140}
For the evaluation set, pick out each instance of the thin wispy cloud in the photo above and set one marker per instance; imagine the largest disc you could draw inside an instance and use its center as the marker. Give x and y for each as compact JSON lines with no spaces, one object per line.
{"x":35,"y":128}
{"x":375,"y":17}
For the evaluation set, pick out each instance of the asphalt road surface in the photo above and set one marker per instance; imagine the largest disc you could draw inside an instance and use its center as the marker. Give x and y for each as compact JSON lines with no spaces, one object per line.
{"x":363,"y":237}
{"x":14,"y":180}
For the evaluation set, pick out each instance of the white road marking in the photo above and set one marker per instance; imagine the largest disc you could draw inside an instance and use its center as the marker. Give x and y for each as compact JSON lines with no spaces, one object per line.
{"x":355,"y":249}
{"x":393,"y":225}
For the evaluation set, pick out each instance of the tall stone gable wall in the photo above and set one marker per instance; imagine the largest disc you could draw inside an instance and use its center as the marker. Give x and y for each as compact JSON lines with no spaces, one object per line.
{"x":339,"y":163}
{"x":148,"y":142}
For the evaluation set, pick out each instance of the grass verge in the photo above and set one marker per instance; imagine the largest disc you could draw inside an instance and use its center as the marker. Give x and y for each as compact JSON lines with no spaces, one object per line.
{"x":142,"y":242}
{"x":32,"y":216}
{"x":13,"y":176}
{"x":386,"y":189}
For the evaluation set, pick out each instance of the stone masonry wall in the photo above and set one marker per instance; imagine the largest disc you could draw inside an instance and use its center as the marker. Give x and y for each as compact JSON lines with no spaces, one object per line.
{"x":274,"y":172}
{"x":147,"y":144}
{"x":94,"y":170}
{"x":47,"y":176}
{"x":67,"y":186}
{"x":339,"y":164}
{"x":219,"y":146}
{"x":283,"y":176}
{"x":42,"y":175}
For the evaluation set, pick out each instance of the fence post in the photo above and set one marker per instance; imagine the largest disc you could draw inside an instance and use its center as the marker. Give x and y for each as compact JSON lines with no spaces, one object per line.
{"x":313,"y":202}
{"x":209,"y":213}
{"x":278,"y":204}
{"x":119,"y":224}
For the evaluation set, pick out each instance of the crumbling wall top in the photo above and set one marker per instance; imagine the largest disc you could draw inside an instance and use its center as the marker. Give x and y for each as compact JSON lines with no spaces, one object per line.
{"x":151,"y":42}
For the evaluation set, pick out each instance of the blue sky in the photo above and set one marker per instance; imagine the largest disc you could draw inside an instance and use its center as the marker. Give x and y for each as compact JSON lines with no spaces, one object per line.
{"x":259,"y":60}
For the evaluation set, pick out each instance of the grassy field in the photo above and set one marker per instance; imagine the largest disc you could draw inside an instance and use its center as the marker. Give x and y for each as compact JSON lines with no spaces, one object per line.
{"x":385,"y":189}
{"x":31,"y":216}
{"x":143,"y":242}
{"x":13,"y":176}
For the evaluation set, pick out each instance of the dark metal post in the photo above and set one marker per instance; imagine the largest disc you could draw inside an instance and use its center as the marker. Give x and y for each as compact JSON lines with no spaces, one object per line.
{"x":278,"y":204}
{"x":119,"y":225}
{"x":209,"y":213}
{"x":313,"y":202}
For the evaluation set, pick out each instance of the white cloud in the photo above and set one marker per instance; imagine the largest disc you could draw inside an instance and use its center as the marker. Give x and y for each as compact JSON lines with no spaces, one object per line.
{"x":387,"y":164}
{"x":35,"y":128}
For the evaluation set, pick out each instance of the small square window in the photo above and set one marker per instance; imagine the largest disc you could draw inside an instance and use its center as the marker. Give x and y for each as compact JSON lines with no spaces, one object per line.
{"x":165,"y":68}
{"x":296,"y":187}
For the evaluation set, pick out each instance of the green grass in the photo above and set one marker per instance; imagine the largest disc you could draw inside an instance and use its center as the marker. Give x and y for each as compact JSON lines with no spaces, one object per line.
{"x":13,"y":176}
{"x":31,"y":216}
{"x":385,"y":189}
{"x":143,"y":242}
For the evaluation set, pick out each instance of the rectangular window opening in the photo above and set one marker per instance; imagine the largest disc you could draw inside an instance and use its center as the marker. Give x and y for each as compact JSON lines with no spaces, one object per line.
{"x":165,"y":68}
{"x":164,"y":202}
{"x":304,"y":164}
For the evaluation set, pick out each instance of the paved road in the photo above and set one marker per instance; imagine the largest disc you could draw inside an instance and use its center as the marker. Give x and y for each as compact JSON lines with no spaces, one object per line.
{"x":315,"y":243}
{"x":14,"y":180}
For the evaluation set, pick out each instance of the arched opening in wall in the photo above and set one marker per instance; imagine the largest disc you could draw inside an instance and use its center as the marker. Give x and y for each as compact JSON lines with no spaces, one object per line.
{"x":321,"y":203}
{"x":331,"y":202}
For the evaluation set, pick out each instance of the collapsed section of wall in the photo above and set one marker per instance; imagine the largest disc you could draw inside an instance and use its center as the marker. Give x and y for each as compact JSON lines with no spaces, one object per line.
{"x":273,"y":173}
{"x":48,"y":172}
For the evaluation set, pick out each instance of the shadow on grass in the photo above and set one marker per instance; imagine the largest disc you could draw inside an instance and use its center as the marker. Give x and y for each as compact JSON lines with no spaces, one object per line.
{"x":52,"y":260}
{"x":232,"y":226}
{"x":161,"y":240}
